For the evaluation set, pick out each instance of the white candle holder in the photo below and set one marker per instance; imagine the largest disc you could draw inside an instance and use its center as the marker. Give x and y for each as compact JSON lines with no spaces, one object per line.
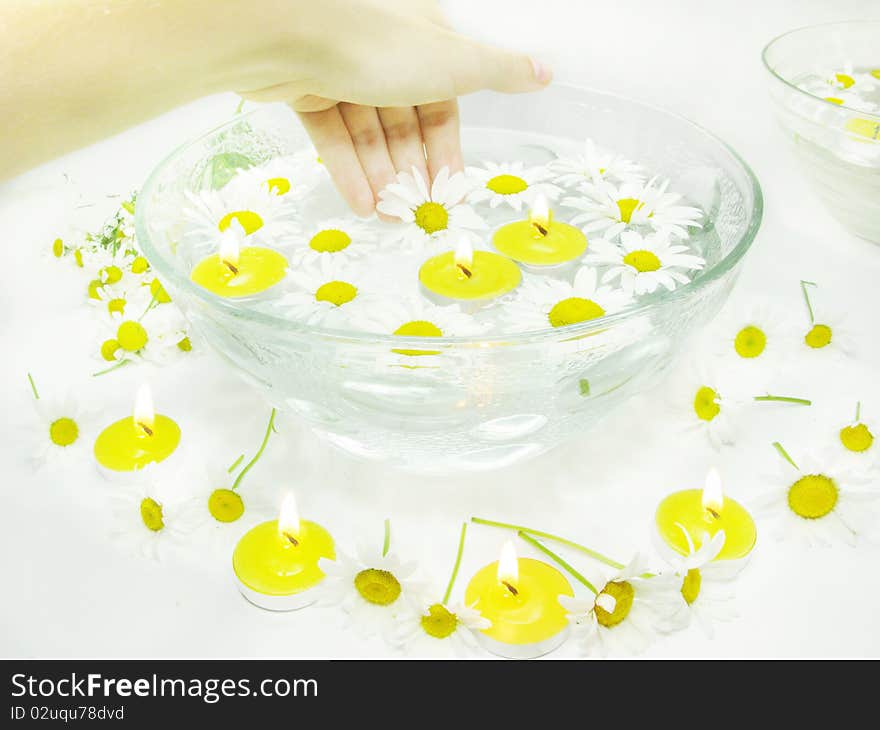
{"x":522,"y":651}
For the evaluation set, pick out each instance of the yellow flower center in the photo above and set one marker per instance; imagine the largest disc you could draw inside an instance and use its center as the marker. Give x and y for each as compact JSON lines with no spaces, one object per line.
{"x":139,"y":265}
{"x":250,"y":221}
{"x":856,"y":438}
{"x":574,"y":310}
{"x":94,"y":286}
{"x":131,"y":336}
{"x":628,"y":206}
{"x":330,"y":240}
{"x":225,"y":505}
{"x":116,"y":305}
{"x":876,"y":73}
{"x":431,"y":217}
{"x":642,"y":260}
{"x":844,"y":80}
{"x":109,"y":348}
{"x":78,"y":257}
{"x":418,"y":328}
{"x":151,"y":514}
{"x":706,"y":403}
{"x":818,"y":337}
{"x":623,"y":593}
{"x":185,"y":345}
{"x":812,"y":496}
{"x":110,"y":274}
{"x":507,"y":184}
{"x":750,"y":341}
{"x":336,"y":292}
{"x":690,"y":586}
{"x":158,"y":292}
{"x":378,"y":587}
{"x":63,"y":431}
{"x":439,"y":622}
{"x":58,"y":248}
{"x":278,"y":185}
{"x":834,"y":100}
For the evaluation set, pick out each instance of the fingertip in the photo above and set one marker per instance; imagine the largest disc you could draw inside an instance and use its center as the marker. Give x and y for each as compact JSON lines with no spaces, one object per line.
{"x":542,"y":72}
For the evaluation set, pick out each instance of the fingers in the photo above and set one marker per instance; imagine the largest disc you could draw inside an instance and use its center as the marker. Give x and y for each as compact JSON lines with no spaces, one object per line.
{"x":403,"y":134}
{"x":439,"y":126}
{"x":368,"y":137}
{"x":334,"y":144}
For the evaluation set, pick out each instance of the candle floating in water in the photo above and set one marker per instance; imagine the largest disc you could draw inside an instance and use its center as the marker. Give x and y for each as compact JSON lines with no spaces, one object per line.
{"x":519,"y":596}
{"x":465,"y":274}
{"x":143,"y":438}
{"x":235,"y":272}
{"x":701,"y":513}
{"x":276,"y":563}
{"x":540,"y":241}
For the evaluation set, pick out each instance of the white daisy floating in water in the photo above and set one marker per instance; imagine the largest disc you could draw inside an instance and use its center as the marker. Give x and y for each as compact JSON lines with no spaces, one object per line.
{"x":343,"y":238}
{"x":594,"y":164}
{"x":828,"y":331}
{"x":626,"y":613}
{"x":510,"y":183}
{"x":642,"y":263}
{"x":820,"y":500}
{"x":760,"y":333}
{"x":857,"y":436}
{"x":57,"y":429}
{"x":612,"y":209}
{"x":843,"y":79}
{"x":429,"y":214}
{"x":852,"y":101}
{"x":540,"y":301}
{"x":291,"y":177}
{"x":415,"y":317}
{"x":149,"y":519}
{"x":374,"y":588}
{"x":329,"y":293}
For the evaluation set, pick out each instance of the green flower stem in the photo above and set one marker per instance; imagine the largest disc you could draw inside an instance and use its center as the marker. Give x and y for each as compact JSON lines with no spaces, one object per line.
{"x":558,"y":560}
{"x":386,"y":542}
{"x":784,"y":454}
{"x":804,"y":285}
{"x":111,"y":368}
{"x":153,"y":302}
{"x":235,"y":464}
{"x":858,"y":409}
{"x":457,"y":563}
{"x":269,"y":428}
{"x":784,"y":399}
{"x":239,"y":107}
{"x":555,"y":538}
{"x":37,"y":394}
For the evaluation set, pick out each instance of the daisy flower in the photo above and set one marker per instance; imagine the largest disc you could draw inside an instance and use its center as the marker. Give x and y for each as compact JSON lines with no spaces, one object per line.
{"x":57,"y":428}
{"x":510,"y":183}
{"x":149,"y":519}
{"x":374,"y":588}
{"x":852,"y":101}
{"x":334,"y":238}
{"x":760,"y":333}
{"x":704,"y":584}
{"x":329,"y":292}
{"x":127,"y":293}
{"x":429,"y":214}
{"x":155,"y":338}
{"x":857,"y":436}
{"x":819,"y":500}
{"x":642,"y":263}
{"x":612,"y":209}
{"x":844,"y":79}
{"x":594,"y":164}
{"x":290,"y":177}
{"x":626,"y":613}
{"x":829,"y":333}
{"x":416,"y":317}
{"x":542,"y":301}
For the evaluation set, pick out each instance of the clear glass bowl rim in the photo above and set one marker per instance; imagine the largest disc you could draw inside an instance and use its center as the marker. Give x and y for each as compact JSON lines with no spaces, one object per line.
{"x":798,"y":89}
{"x":228,"y":307}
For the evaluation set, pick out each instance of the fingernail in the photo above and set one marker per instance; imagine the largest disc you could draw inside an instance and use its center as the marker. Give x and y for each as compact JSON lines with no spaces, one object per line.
{"x":543,"y":73}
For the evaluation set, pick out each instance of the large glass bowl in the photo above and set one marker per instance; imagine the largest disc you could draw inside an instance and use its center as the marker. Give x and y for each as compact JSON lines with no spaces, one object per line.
{"x":477,"y":402}
{"x":838,"y":147}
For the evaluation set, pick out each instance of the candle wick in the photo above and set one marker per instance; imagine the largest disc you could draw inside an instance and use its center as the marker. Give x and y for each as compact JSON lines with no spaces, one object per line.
{"x":510,"y":587}
{"x":712,"y":512}
{"x":293,"y":540}
{"x":232,"y":267}
{"x":540,"y":228}
{"x":147,"y":430}
{"x":465,"y":271}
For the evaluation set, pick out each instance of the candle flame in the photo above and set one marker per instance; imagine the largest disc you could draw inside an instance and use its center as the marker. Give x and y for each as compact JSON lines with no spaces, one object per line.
{"x":230,"y":249}
{"x":713,"y":493}
{"x":288,"y":520}
{"x":508,"y":568}
{"x":144,"y":413}
{"x":464,"y":258}
{"x":540,"y":215}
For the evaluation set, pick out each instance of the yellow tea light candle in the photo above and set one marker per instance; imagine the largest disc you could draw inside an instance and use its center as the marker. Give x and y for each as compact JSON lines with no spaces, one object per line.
{"x":701,"y":513}
{"x":276,"y":563}
{"x":235,"y":272}
{"x":519,"y":596}
{"x":869,"y":129}
{"x":465,"y":274}
{"x":143,"y":438}
{"x":540,"y":241}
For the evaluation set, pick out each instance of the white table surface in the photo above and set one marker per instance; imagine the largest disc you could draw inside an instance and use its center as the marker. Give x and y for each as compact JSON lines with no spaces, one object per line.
{"x":68,"y":590}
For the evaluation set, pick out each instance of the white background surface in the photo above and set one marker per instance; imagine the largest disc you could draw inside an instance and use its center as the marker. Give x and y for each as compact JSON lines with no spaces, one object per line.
{"x":68,"y":590}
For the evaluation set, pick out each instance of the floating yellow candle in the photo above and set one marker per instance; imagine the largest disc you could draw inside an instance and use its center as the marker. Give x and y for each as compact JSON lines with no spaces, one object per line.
{"x":540,"y":241}
{"x":143,"y":438}
{"x":239,"y":272}
{"x":867,"y":128}
{"x":703,"y":513}
{"x":466,"y":274}
{"x":276,"y":563}
{"x":519,"y":596}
